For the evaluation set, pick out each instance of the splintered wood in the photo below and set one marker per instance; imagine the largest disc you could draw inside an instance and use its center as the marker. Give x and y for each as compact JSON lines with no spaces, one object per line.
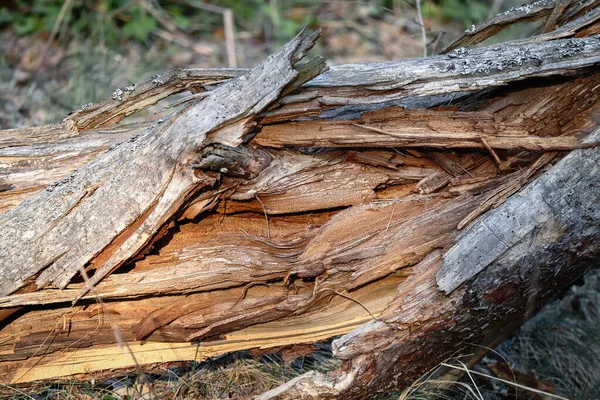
{"x":289,"y":207}
{"x":397,"y":127}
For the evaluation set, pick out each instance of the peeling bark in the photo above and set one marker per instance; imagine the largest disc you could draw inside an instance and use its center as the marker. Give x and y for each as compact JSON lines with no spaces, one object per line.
{"x":288,"y":207}
{"x":47,"y":232}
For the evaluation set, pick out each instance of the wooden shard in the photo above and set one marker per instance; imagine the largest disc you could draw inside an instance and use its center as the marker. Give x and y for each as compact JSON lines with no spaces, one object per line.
{"x":410,"y":207}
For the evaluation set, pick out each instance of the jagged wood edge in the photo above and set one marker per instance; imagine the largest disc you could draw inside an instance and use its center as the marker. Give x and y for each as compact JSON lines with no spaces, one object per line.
{"x":61,"y":228}
{"x":525,"y":13}
{"x":526,"y":273}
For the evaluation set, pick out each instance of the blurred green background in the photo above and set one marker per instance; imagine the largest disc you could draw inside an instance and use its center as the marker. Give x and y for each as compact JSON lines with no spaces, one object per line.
{"x":60,"y":54}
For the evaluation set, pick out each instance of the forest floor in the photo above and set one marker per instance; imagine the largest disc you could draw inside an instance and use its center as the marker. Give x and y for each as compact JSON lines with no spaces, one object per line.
{"x":41,"y":81}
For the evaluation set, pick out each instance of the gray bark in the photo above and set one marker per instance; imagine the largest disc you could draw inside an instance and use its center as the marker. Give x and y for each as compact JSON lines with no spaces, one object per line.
{"x":307,"y":237}
{"x":556,"y":220}
{"x":565,"y":201}
{"x":62,"y":228}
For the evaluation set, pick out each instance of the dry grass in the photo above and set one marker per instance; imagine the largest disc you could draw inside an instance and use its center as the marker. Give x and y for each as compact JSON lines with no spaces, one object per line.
{"x":237,"y":375}
{"x":560,"y":346}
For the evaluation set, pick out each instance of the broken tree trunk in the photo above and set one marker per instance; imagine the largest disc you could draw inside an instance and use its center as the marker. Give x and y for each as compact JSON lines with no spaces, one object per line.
{"x":416,"y":207}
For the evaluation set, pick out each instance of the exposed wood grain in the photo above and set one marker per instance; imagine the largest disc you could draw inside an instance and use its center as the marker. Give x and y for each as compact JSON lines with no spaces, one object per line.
{"x":471,"y":69}
{"x":272,"y":218}
{"x":349,"y":91}
{"x":557,"y":12}
{"x":154,"y":165}
{"x":560,"y":202}
{"x":138,"y":96}
{"x":525,"y":274}
{"x":28,"y":168}
{"x":342,"y":316}
{"x":525,"y":13}
{"x":395,"y":127}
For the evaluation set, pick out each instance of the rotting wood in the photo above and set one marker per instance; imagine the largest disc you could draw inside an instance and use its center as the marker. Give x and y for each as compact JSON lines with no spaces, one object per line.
{"x":524,"y":13}
{"x":29,"y":167}
{"x":408,"y":83}
{"x":578,"y":16}
{"x":560,"y":202}
{"x":288,"y":245}
{"x":155,"y":163}
{"x":89,"y":340}
{"x":397,"y":127}
{"x":559,"y":9}
{"x":521,"y":275}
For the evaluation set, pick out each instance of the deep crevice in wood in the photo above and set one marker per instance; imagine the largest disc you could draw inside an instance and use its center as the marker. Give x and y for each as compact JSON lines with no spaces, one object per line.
{"x":355,"y":236}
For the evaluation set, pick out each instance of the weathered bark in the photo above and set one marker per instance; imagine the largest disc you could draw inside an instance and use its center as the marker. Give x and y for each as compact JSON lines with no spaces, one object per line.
{"x":46,"y":232}
{"x":571,"y":16}
{"x":515,"y":259}
{"x":283,"y":208}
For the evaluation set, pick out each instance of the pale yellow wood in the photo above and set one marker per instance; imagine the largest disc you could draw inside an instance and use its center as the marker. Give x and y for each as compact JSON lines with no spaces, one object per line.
{"x":338,"y":317}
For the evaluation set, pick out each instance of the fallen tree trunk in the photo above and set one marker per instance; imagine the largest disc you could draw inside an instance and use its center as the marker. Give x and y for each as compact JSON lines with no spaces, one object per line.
{"x":288,"y":206}
{"x":516,"y":258}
